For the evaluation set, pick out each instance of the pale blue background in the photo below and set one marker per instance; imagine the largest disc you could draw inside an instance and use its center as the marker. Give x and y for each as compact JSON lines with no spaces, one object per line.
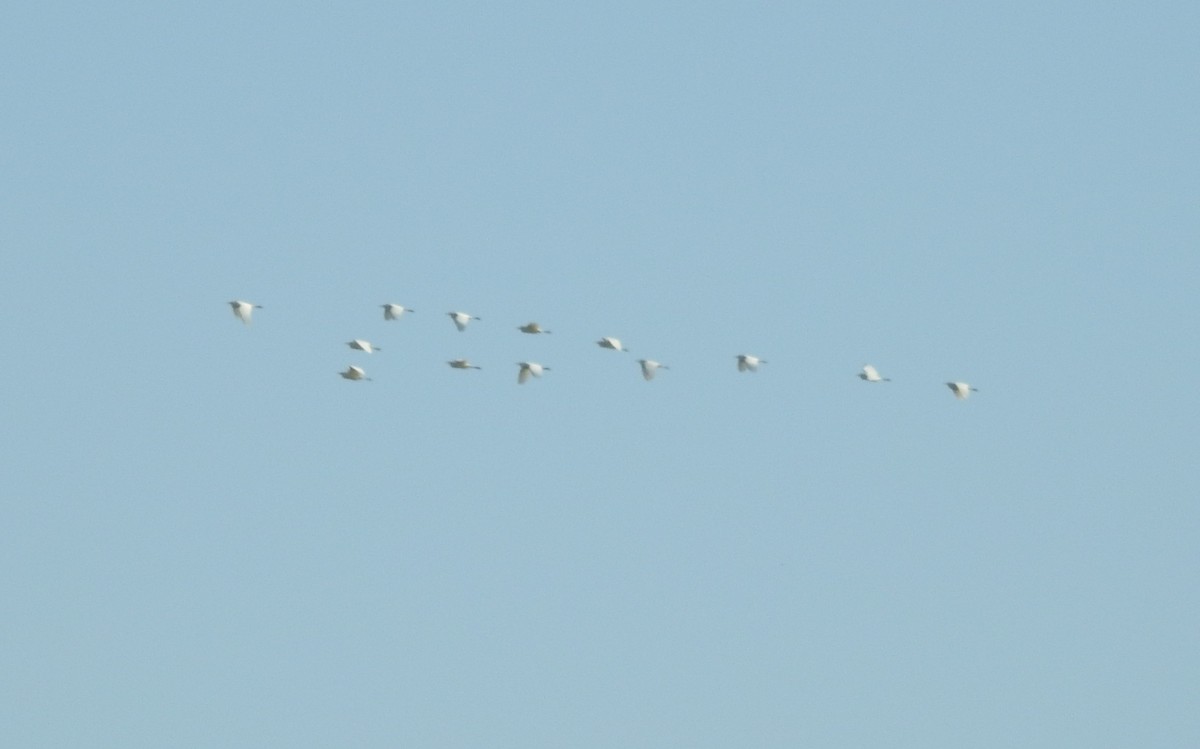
{"x":209,"y":539}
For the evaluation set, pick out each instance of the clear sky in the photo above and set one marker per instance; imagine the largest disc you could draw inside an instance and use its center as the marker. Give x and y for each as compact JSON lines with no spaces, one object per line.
{"x":209,"y":539}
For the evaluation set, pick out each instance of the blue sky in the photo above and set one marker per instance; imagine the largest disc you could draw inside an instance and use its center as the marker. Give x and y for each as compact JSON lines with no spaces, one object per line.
{"x":208,"y":538}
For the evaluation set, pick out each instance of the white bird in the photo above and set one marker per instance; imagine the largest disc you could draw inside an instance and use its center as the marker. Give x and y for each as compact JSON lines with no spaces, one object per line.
{"x":244,"y":310}
{"x":961,"y":390}
{"x":359,"y":344}
{"x":354,"y":373}
{"x":462,"y":364}
{"x":748,"y":362}
{"x":533,"y":328}
{"x":649,"y":367}
{"x":461,"y":319}
{"x":870,"y":374}
{"x":529,"y":369}
{"x":394,"y":311}
{"x":612,"y":343}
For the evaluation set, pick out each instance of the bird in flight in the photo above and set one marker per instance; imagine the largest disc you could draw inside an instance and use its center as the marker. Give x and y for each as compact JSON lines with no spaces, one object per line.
{"x":359,"y":344}
{"x":612,"y":343}
{"x":529,"y":369}
{"x":650,"y":367}
{"x":461,"y":319}
{"x":394,"y":311}
{"x":354,"y":373}
{"x":870,"y":374}
{"x":532,"y":328}
{"x":746,"y":362}
{"x":244,"y":310}
{"x":961,"y":390}
{"x":462,"y":364}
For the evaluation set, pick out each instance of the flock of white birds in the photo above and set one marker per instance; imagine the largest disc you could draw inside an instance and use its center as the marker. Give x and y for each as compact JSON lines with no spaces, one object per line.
{"x":244,"y":311}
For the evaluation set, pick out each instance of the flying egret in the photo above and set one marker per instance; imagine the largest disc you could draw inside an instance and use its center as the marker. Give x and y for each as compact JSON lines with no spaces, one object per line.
{"x":462,"y":364}
{"x":870,"y":374}
{"x":528,"y":369}
{"x":461,"y":319}
{"x":612,"y":343}
{"x":244,"y":310}
{"x":961,"y":390}
{"x":394,"y":311}
{"x":533,"y":328}
{"x":746,"y":362}
{"x":354,"y":373}
{"x":649,"y":367}
{"x":359,"y":344}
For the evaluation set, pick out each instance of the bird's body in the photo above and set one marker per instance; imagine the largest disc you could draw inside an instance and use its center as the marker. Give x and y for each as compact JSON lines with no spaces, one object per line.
{"x":749,"y":363}
{"x":354,"y":373}
{"x":461,"y":319}
{"x":394,"y":311}
{"x":870,"y":374}
{"x":244,"y":310}
{"x":961,"y":390}
{"x":612,"y":343}
{"x":359,"y":344}
{"x":529,"y":369}
{"x":532,"y":328}
{"x":650,"y":367}
{"x":462,"y":364}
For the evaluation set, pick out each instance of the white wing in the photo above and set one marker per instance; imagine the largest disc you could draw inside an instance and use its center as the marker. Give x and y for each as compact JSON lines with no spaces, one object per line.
{"x":242,"y":310}
{"x":747,"y":362}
